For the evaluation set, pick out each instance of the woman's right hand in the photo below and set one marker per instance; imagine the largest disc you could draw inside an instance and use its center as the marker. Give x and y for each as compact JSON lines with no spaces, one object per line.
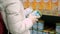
{"x":33,"y":18}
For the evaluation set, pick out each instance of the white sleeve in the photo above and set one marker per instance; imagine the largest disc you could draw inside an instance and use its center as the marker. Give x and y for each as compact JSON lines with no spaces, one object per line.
{"x":15,"y":21}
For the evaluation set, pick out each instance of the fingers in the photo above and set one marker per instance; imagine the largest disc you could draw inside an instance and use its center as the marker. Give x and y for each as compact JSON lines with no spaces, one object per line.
{"x":34,"y":16}
{"x":35,"y":20}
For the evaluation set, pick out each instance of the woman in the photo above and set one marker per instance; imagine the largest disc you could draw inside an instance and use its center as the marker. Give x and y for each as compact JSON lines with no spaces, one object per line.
{"x":14,"y":18}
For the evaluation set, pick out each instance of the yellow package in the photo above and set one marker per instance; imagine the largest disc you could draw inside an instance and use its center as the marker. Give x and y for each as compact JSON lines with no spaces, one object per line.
{"x":26,"y":3}
{"x":55,"y":7}
{"x":59,"y":8}
{"x":41,"y":5}
{"x":38,"y":4}
{"x":33,"y":4}
{"x":47,"y":4}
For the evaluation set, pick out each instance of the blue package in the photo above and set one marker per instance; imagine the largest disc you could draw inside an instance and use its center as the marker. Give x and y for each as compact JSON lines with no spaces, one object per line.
{"x":44,"y":32}
{"x":40,"y":26}
{"x":34,"y":32}
{"x":58,"y":29}
{"x":31,"y":31}
{"x":35,"y":26}
{"x":39,"y":32}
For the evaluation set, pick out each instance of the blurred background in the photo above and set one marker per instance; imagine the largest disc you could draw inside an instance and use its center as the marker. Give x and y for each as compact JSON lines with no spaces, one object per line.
{"x":49,"y":23}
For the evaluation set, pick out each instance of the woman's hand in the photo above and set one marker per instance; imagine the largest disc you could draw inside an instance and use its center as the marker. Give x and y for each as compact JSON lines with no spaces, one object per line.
{"x":33,"y":18}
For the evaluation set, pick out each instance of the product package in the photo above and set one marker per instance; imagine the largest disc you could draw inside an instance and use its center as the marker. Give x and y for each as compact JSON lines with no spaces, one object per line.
{"x":58,"y":27}
{"x":26,"y":3}
{"x":40,"y":26}
{"x":58,"y":7}
{"x":54,"y":7}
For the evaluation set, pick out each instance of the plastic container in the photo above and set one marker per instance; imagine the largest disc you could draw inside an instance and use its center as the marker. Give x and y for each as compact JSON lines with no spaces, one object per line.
{"x":36,"y":13}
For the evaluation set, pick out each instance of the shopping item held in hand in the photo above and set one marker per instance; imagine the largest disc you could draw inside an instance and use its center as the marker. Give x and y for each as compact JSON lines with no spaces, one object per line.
{"x":36,"y":13}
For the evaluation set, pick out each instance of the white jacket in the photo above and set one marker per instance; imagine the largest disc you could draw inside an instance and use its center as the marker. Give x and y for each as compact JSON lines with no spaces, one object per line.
{"x":14,"y":17}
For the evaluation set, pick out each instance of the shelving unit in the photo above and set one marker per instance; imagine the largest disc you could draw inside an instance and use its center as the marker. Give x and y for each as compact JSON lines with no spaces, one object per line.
{"x":51,"y":29}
